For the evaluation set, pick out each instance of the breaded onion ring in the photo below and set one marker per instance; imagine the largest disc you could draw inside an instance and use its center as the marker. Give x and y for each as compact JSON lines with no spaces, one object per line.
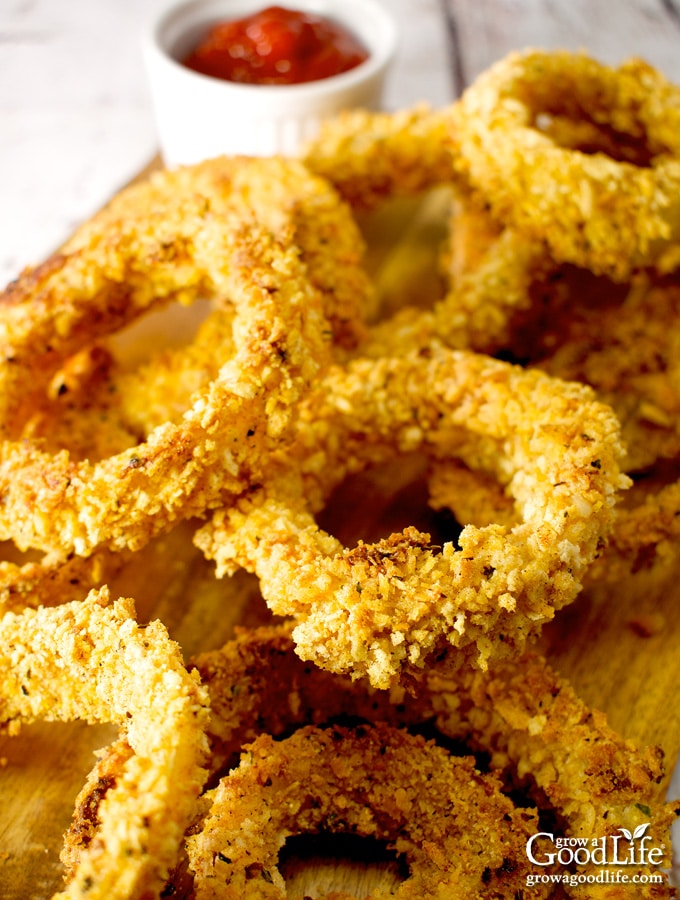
{"x":627,"y":350}
{"x":532,"y":722}
{"x":55,"y":578}
{"x":477,"y":309}
{"x":525,"y":718}
{"x":281,"y":194}
{"x":591,"y":210}
{"x":581,"y":327}
{"x":90,"y":660}
{"x":386,"y":608}
{"x":433,"y":808}
{"x":522,"y":712}
{"x":370,"y":156}
{"x":522,"y":716}
{"x":51,"y":502}
{"x":529,"y":721}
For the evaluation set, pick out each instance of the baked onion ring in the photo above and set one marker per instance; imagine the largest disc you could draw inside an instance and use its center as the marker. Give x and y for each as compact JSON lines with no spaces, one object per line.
{"x":90,"y":660}
{"x":372,"y":781}
{"x":524,"y":716}
{"x":283,"y":195}
{"x":374,"y":157}
{"x":88,"y":390}
{"x":522,"y":712}
{"x":591,"y":210}
{"x":627,"y":349}
{"x":55,"y":578}
{"x":51,"y":502}
{"x":385,"y":609}
{"x":371,"y":156}
{"x":581,"y":327}
{"x":478,"y":308}
{"x":521,"y":716}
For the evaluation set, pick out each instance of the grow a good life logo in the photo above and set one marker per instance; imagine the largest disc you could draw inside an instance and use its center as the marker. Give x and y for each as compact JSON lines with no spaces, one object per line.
{"x":626,"y":857}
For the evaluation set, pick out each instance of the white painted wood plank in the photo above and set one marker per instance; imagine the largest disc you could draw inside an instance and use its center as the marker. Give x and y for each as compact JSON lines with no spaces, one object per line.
{"x":611,"y":30}
{"x":422,"y":70}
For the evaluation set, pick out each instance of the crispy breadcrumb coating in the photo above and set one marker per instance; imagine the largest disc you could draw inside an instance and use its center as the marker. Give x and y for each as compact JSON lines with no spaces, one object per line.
{"x":369,"y":156}
{"x":384,"y":609}
{"x":53,"y":502}
{"x":521,"y":716}
{"x":90,"y":660}
{"x":589,"y":209}
{"x":433,"y":808}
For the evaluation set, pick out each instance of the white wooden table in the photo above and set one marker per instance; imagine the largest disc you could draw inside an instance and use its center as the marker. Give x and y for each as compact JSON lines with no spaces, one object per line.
{"x":75,"y":115}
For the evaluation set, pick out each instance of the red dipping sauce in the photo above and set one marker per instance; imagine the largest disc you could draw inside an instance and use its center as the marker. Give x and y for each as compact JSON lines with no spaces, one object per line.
{"x":277,"y":46}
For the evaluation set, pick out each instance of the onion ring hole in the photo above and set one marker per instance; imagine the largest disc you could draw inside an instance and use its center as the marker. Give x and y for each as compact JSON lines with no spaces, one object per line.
{"x":366,"y":863}
{"x":386,"y":500}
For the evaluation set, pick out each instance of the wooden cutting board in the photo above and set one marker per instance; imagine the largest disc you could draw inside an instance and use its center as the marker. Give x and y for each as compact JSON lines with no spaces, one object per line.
{"x":620,"y":651}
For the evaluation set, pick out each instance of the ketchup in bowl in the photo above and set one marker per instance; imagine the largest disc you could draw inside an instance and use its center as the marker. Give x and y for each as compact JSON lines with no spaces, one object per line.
{"x":277,"y":46}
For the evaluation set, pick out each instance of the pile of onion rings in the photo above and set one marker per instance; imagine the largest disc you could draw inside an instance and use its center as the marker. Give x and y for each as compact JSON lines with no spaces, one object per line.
{"x":387,"y":608}
{"x":403,"y":698}
{"x":152,"y":246}
{"x":524,"y":719}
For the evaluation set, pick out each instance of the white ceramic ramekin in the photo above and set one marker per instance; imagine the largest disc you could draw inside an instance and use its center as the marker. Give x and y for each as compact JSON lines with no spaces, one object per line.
{"x":198,"y":117}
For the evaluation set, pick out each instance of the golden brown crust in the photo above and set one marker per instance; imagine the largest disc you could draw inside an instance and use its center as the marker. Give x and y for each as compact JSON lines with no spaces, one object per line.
{"x":371,"y":156}
{"x":90,"y":660}
{"x":522,"y":716}
{"x":372,"y":781}
{"x":54,"y":502}
{"x":591,"y":210}
{"x":387,"y":608}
